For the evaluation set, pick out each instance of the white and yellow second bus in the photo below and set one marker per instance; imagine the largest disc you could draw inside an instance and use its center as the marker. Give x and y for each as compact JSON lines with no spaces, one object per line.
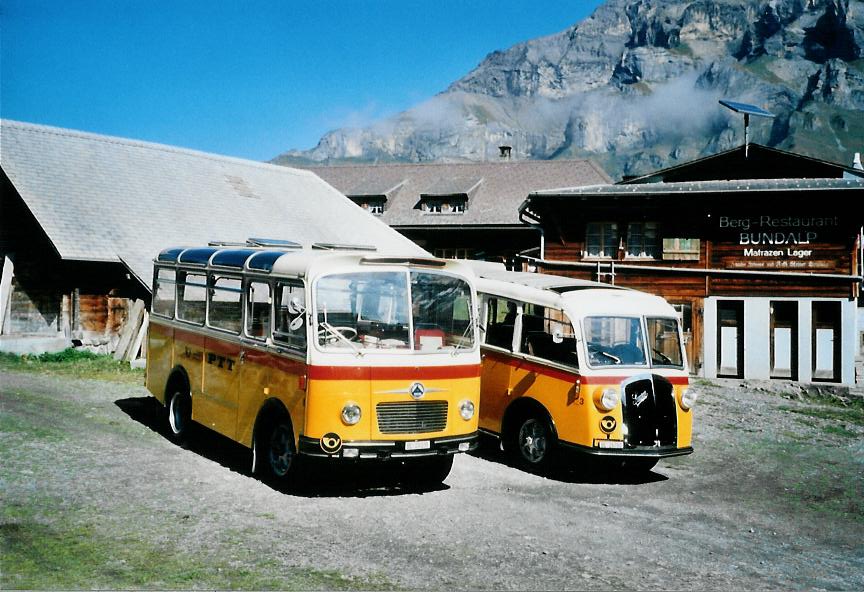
{"x":581,"y":367}
{"x":322,"y":352}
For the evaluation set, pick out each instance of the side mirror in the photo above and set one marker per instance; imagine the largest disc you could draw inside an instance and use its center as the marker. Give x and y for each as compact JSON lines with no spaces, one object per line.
{"x":557,"y":336}
{"x":295,"y":306}
{"x":296,"y":323}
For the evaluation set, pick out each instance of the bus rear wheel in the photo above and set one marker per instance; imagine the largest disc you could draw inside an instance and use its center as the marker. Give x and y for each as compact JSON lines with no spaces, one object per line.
{"x":180,"y":416}
{"x":274,"y":456}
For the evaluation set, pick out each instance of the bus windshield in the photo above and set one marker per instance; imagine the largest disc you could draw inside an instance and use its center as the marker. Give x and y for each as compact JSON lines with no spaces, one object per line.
{"x":614,"y":341}
{"x":394,"y":310}
{"x":664,"y":341}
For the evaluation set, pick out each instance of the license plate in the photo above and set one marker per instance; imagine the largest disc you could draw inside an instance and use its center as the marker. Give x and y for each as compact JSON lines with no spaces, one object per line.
{"x":419,"y":445}
{"x":610,"y":443}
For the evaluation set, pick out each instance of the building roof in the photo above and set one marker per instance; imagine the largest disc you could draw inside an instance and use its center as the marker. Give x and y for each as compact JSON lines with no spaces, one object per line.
{"x":754,"y":162}
{"x":494,"y":190}
{"x":101,"y":198}
{"x":707,"y":187}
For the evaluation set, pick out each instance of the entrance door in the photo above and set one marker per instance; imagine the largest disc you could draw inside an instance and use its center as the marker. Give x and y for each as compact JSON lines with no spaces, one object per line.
{"x":784,"y":340}
{"x":826,"y":341}
{"x":730,"y":338}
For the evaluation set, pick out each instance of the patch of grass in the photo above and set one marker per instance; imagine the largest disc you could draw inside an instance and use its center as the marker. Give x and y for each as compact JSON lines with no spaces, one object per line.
{"x":831,"y":409}
{"x":76,"y":363}
{"x":65,"y":555}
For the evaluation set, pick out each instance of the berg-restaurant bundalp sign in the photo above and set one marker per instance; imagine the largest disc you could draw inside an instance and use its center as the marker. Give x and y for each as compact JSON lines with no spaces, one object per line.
{"x":778,"y":242}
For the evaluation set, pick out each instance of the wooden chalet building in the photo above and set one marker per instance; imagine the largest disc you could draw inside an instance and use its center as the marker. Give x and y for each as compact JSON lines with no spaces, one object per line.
{"x":760,"y":253}
{"x":459,"y":210}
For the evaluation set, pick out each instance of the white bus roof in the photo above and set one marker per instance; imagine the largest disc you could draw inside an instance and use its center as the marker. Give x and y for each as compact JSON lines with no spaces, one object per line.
{"x":295,"y":261}
{"x":578,"y":297}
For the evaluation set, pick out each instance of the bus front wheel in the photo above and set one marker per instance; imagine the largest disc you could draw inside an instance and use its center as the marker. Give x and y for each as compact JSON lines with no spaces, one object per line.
{"x":532,"y":442}
{"x":273,"y":453}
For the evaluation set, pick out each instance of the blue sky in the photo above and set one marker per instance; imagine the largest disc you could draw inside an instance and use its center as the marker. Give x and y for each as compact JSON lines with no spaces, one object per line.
{"x":247,"y":79}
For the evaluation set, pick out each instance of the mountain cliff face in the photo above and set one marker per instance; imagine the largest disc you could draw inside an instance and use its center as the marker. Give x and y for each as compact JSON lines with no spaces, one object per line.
{"x":635,"y":86}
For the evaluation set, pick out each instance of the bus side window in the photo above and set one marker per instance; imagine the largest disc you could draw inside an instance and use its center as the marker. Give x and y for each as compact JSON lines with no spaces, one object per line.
{"x":258,"y":310}
{"x":191,"y":297}
{"x":290,"y":304}
{"x":225,"y":310}
{"x":548,"y":334}
{"x":163,"y":293}
{"x":500,"y":322}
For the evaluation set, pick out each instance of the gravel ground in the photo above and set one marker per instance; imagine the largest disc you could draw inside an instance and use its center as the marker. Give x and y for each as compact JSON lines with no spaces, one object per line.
{"x":772,"y":498}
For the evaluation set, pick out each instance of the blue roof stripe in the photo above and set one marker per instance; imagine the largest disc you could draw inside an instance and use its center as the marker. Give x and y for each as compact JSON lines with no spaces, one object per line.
{"x":200,"y":256}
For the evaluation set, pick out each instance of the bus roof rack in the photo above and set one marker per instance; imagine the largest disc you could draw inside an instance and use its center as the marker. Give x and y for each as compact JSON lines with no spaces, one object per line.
{"x":272,"y":242}
{"x":225,"y":244}
{"x":343,"y":247}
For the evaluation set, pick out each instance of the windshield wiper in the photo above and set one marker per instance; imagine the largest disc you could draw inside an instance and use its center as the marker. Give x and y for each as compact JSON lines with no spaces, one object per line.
{"x":461,"y":339}
{"x":338,"y":335}
{"x":615,"y":359}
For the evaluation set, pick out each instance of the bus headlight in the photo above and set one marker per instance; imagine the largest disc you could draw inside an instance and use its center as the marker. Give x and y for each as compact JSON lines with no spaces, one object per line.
{"x":466,"y":409}
{"x":351,"y":413}
{"x":607,"y":399}
{"x":688,"y":398}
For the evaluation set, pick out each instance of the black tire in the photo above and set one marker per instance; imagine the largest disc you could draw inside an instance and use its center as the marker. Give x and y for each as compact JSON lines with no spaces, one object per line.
{"x":180,"y":416}
{"x":427,"y":473}
{"x":531,"y":442}
{"x":274,"y":456}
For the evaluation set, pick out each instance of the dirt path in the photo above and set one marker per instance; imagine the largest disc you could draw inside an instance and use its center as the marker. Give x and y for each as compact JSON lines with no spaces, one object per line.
{"x":772,"y":498}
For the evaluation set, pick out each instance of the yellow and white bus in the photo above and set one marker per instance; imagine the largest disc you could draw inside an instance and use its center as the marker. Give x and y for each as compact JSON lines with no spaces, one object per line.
{"x":582,"y":367}
{"x":330,"y":351}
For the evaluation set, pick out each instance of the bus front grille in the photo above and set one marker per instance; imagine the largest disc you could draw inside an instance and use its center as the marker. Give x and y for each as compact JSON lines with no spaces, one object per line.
{"x":649,"y":412}
{"x":412,"y":417}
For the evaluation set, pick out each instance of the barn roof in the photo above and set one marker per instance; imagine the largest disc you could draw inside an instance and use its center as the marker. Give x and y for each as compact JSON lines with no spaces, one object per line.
{"x":493,"y":191}
{"x":102,"y":198}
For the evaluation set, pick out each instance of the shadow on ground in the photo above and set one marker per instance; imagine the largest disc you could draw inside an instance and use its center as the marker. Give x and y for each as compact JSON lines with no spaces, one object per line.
{"x":315,"y":477}
{"x":569,"y":469}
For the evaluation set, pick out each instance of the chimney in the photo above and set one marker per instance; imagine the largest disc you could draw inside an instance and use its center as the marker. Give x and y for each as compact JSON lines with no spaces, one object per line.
{"x":505,"y":152}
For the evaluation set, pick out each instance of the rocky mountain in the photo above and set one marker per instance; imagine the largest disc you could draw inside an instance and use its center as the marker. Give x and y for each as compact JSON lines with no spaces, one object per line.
{"x":635,"y":86}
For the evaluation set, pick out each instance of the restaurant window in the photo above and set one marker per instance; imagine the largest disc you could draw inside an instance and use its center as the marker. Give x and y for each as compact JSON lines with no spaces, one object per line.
{"x":642,"y":240}
{"x":601,"y":239}
{"x":681,"y":249}
{"x":784,"y":339}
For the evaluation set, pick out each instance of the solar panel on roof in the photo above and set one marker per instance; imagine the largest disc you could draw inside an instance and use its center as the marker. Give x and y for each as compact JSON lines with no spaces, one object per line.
{"x":746,"y":108}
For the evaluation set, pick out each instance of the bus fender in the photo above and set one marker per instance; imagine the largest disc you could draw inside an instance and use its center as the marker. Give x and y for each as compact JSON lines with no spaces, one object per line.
{"x":520,"y":408}
{"x":178,"y":381}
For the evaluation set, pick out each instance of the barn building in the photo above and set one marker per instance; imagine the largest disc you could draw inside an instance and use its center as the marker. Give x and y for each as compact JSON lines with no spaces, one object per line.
{"x":759,"y":250}
{"x":82,"y":216}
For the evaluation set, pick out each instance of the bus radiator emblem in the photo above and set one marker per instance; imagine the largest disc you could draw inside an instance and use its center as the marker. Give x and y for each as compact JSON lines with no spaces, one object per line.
{"x":639,"y":399}
{"x":417,"y":390}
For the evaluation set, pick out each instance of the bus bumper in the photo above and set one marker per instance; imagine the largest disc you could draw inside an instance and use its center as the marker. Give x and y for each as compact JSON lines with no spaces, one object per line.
{"x":638,"y":452}
{"x":383,"y":449}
